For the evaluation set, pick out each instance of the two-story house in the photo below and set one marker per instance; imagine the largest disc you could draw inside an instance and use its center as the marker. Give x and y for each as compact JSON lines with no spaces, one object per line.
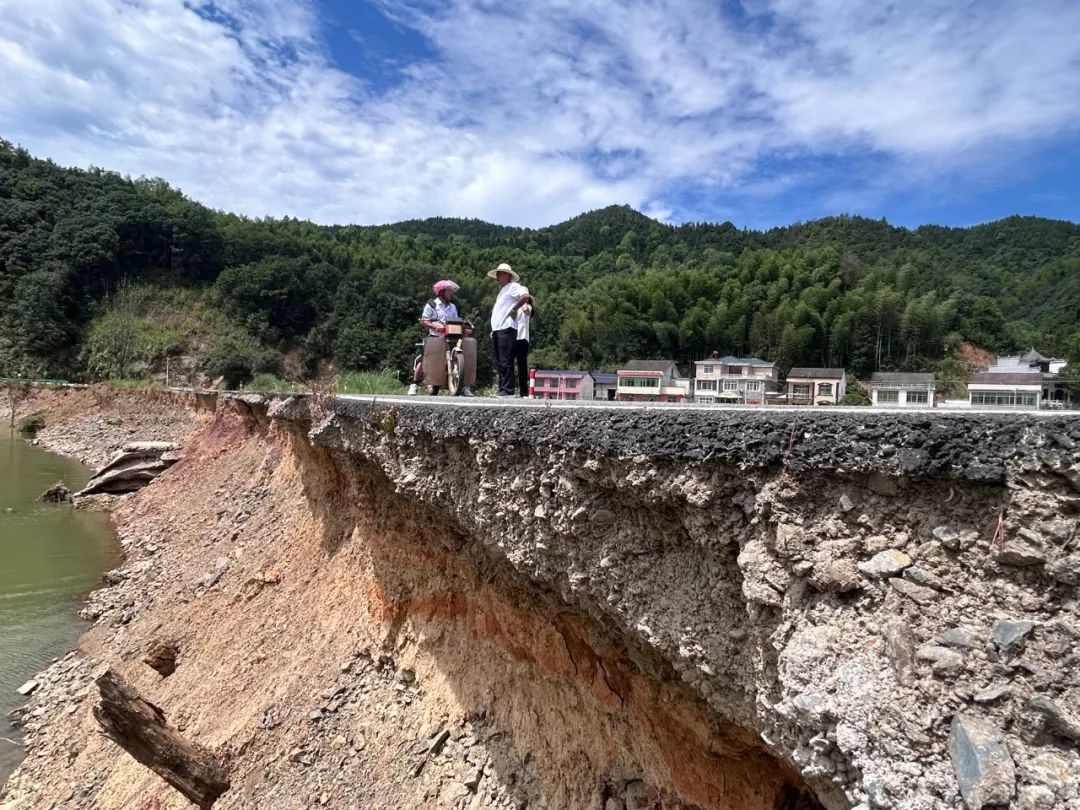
{"x":651,"y":381}
{"x":1010,"y":382}
{"x":564,"y":385}
{"x":902,"y":389}
{"x":734,"y":380}
{"x":815,"y":386}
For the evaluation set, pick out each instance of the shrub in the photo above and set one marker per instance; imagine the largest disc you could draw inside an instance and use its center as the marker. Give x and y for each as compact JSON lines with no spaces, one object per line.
{"x":237,"y":357}
{"x":30,"y":425}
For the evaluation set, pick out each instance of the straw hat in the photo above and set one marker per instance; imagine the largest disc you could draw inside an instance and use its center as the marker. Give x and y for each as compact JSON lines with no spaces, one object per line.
{"x":504,"y":268}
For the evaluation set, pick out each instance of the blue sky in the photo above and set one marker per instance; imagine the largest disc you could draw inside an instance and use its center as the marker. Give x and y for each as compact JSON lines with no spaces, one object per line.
{"x":762,"y":112}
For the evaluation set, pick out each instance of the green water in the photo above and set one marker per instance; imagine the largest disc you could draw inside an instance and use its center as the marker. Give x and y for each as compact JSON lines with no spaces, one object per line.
{"x":50,"y":554}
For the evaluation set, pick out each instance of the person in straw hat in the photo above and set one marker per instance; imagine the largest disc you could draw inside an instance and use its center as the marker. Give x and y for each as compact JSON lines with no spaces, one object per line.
{"x":509,"y":300}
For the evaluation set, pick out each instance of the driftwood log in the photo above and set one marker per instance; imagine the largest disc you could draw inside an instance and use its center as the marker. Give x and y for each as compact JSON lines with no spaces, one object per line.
{"x":139,"y":727}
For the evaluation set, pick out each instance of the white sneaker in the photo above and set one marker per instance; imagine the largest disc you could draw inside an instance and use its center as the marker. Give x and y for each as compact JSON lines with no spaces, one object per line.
{"x":412,"y":390}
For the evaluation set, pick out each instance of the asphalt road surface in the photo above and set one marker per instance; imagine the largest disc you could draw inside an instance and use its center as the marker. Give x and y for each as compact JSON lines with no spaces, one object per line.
{"x":519,"y":402}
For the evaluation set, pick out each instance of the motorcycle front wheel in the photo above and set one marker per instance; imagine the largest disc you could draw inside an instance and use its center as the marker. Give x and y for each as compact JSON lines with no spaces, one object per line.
{"x":455,"y":370}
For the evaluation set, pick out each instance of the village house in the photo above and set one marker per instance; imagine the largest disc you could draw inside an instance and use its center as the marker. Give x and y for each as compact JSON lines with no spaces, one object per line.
{"x":1010,"y":390}
{"x":562,"y":385}
{"x":734,"y":380}
{"x":815,"y":386}
{"x":651,"y":381}
{"x":902,"y":389}
{"x":604,"y":385}
{"x":994,"y":387}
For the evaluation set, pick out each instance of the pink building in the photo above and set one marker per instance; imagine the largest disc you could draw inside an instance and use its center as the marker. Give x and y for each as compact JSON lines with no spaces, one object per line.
{"x":553,"y":384}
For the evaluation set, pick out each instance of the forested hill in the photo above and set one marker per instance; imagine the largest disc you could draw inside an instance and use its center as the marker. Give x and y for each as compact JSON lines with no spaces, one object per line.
{"x":106,"y":276}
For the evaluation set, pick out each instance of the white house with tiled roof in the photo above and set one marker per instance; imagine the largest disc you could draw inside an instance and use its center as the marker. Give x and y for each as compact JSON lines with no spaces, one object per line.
{"x":815,"y":386}
{"x":734,"y":380}
{"x":651,"y":381}
{"x":902,"y":389}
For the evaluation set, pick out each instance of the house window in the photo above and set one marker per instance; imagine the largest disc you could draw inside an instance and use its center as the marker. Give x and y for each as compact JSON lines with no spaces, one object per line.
{"x":571,"y":383}
{"x":888,"y":396}
{"x":1003,"y":399}
{"x":800,"y":390}
{"x":918,"y":397}
{"x":640,"y":382}
{"x":753,"y":385}
{"x":731,"y":385}
{"x":737,"y":370}
{"x":706,"y":385}
{"x":824,"y":389}
{"x":707,"y":369}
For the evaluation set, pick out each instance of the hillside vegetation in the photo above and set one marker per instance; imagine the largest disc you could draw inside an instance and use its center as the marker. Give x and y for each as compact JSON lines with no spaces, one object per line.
{"x":104,"y":276}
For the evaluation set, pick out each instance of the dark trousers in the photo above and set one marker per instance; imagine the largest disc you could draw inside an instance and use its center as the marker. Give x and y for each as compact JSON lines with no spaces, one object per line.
{"x":521,"y":366}
{"x":502,"y":346}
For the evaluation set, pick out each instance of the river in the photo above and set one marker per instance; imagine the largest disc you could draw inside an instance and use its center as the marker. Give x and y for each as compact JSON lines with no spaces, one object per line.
{"x":49,"y":555}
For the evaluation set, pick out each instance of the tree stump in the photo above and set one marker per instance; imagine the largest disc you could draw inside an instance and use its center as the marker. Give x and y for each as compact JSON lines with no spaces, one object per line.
{"x":139,"y":727}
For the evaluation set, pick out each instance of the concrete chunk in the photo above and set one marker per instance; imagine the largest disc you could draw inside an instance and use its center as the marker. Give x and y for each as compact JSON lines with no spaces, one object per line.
{"x":28,"y":688}
{"x":983,"y":765}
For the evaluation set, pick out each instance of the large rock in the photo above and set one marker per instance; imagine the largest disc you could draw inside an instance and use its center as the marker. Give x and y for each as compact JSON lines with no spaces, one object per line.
{"x":899,"y":645}
{"x":888,"y":563}
{"x":57,"y":493}
{"x":1066,"y":569}
{"x":136,"y":465}
{"x":1009,"y":634}
{"x":1025,"y":549}
{"x":1056,"y":719}
{"x":941,"y":659}
{"x":916,"y":593}
{"x":983,"y":765}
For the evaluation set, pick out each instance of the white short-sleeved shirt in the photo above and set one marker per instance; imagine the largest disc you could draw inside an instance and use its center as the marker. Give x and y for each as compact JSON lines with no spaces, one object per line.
{"x":436,"y":310}
{"x":504,"y":302}
{"x":523,"y":316}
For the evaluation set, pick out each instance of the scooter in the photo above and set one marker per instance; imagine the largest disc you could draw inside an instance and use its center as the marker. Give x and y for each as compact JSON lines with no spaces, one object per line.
{"x":448,"y":359}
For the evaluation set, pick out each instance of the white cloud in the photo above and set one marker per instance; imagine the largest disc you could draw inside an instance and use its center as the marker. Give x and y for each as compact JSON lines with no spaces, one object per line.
{"x":529,"y":113}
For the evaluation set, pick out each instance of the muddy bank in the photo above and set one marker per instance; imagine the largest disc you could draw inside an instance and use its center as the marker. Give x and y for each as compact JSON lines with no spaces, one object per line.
{"x":91,"y":424}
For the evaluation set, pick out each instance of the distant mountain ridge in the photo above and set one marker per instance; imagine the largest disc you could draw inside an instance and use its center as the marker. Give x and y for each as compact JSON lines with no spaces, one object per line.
{"x":102,"y":275}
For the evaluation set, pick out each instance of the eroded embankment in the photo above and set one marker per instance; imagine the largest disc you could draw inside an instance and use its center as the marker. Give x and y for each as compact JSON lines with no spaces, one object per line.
{"x":889,"y":601}
{"x":328,"y":628}
{"x":416,"y":606}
